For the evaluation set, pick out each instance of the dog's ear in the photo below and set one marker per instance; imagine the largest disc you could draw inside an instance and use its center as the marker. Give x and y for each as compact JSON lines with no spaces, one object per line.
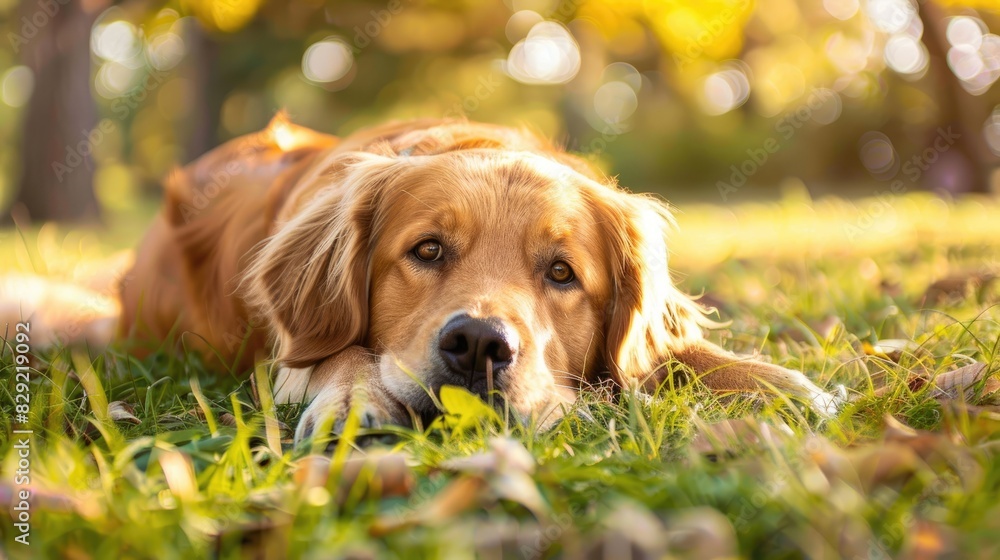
{"x":310,"y":279}
{"x":648,"y":320}
{"x":650,"y":323}
{"x":216,"y":209}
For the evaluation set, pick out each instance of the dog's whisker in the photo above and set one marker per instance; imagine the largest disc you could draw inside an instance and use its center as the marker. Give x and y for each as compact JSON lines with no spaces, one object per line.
{"x":568,"y":375}
{"x":571,"y":387}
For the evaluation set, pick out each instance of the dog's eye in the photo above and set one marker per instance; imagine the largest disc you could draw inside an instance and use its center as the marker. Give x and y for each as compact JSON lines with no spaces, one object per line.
{"x":561,"y":273}
{"x":428,"y":251}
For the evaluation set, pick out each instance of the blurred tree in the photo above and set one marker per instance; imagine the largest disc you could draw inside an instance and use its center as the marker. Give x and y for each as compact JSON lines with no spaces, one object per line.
{"x":959,"y":108}
{"x":668,"y":93}
{"x":60,"y":127}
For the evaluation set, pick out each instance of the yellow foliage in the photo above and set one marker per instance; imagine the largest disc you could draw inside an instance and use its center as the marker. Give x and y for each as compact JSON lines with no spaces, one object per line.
{"x":710,"y":29}
{"x":227,"y":16}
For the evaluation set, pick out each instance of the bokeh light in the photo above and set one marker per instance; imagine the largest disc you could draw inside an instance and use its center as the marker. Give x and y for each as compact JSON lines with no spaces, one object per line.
{"x":548,"y":55}
{"x":327,"y":61}
{"x":974,"y":56}
{"x":520,"y":23}
{"x":964,"y":30}
{"x":848,"y":53}
{"x":906,"y":54}
{"x":115,"y":79}
{"x":831,"y":108}
{"x":117,"y":41}
{"x":841,"y":9}
{"x":16,"y":85}
{"x":878,"y":155}
{"x":165,"y":51}
{"x":891,"y":16}
{"x":615,"y":102}
{"x":724,"y":91}
{"x":991,"y":131}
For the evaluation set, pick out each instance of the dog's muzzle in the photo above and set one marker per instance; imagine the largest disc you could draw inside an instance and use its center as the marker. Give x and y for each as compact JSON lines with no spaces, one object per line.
{"x":473,"y":350}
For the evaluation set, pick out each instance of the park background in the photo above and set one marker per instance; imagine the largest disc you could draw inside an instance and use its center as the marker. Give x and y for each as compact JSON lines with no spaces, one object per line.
{"x":833,"y":164}
{"x":719,"y":101}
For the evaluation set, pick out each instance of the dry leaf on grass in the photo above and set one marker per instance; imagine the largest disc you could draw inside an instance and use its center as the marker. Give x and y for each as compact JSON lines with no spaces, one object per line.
{"x":631,"y":532}
{"x":383,"y":474}
{"x":901,"y":454}
{"x":701,"y":532}
{"x":905,"y":451}
{"x":894,"y":349}
{"x":967,"y":380}
{"x":264,"y":538}
{"x":958,"y":287}
{"x":729,"y":437}
{"x":928,"y":540}
{"x":504,"y":455}
{"x":975,"y":424}
{"x":503,"y":472}
{"x":457,"y":497}
{"x":227,"y":419}
{"x":507,"y":467}
{"x":120,"y":411}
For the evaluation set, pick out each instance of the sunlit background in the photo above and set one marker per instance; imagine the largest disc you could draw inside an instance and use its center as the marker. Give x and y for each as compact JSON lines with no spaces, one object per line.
{"x":716,"y":100}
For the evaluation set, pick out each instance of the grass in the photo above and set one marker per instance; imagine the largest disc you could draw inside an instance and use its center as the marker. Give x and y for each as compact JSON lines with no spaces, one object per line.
{"x":198,"y":464}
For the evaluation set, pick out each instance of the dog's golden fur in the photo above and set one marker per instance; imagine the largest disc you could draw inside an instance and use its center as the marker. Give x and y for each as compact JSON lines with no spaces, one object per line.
{"x":304,"y":242}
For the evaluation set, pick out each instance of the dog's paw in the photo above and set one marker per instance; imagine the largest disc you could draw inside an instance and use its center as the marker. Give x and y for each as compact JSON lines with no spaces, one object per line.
{"x":374,"y":413}
{"x":824,"y":403}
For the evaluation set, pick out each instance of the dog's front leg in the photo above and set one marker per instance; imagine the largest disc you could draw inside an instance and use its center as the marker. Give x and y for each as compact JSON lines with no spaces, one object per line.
{"x":348,"y":379}
{"x":725,"y":372}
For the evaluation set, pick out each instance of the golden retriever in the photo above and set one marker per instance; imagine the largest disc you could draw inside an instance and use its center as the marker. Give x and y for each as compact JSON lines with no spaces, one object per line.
{"x":386,"y":264}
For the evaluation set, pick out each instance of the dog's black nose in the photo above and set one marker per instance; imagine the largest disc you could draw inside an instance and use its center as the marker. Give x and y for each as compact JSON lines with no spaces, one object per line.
{"x":466,"y":343}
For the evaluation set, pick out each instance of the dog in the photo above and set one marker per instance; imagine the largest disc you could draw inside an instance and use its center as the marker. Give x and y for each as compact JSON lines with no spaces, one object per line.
{"x":378,"y":267}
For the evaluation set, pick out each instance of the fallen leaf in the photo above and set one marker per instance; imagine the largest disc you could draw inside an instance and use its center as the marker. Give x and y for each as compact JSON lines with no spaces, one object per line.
{"x":631,"y":532}
{"x":966,"y":380}
{"x":729,"y":437}
{"x":457,"y":497}
{"x":382,"y":474}
{"x":976,"y":424}
{"x":894,"y":349}
{"x":904,"y":451}
{"x":701,"y":532}
{"x":507,"y":467}
{"x":958,"y":287}
{"x":120,"y":411}
{"x":928,"y":540}
{"x":265,"y":538}
{"x":504,"y":454}
{"x":227,"y":419}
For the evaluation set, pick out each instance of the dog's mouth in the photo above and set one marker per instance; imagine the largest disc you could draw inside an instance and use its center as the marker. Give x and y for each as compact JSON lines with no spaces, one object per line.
{"x":488,"y":388}
{"x":423,"y":393}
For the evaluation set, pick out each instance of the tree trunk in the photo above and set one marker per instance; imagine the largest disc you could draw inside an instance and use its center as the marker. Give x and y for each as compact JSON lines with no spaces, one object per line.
{"x":60,"y":127}
{"x":958,"y":108}
{"x":206,"y":94}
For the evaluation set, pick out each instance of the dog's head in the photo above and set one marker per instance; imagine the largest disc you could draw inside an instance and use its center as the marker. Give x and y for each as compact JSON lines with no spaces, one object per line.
{"x":472,"y":256}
